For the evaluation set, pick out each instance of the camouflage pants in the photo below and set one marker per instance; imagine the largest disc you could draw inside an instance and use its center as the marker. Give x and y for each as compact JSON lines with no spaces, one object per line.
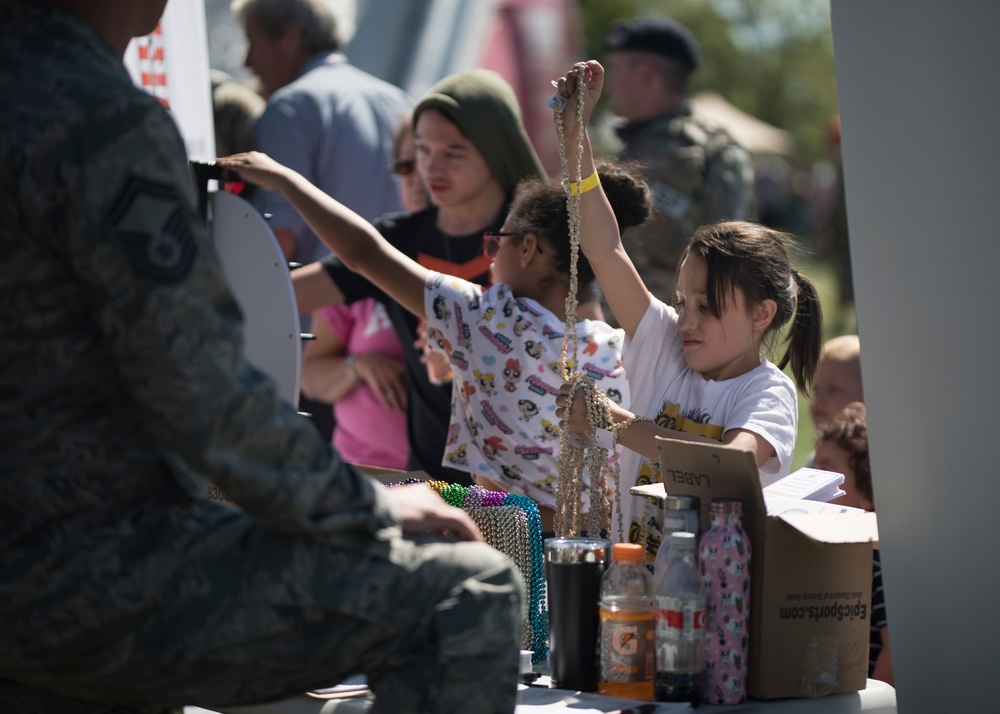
{"x":434,"y":625}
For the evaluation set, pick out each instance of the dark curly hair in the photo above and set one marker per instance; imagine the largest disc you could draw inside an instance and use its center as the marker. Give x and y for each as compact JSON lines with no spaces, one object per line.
{"x":539,"y":207}
{"x":849,"y":431}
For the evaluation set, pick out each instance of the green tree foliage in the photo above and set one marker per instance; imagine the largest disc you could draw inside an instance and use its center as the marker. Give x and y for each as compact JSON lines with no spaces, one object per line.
{"x":771,"y":58}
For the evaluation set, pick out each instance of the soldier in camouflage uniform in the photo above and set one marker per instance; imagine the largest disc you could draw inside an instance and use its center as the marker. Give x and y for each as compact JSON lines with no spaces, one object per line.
{"x":123,"y":392}
{"x":697,"y":172}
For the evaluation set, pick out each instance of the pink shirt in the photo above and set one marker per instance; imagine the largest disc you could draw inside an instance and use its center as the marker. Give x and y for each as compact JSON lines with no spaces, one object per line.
{"x":367,"y":433}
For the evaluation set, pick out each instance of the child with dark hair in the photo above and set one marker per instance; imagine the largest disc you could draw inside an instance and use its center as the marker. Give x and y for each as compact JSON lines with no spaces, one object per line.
{"x":842,"y":447}
{"x":503,"y":342}
{"x":697,"y":370}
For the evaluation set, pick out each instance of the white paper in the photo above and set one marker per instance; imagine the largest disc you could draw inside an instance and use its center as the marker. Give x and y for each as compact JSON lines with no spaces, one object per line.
{"x":808,"y":484}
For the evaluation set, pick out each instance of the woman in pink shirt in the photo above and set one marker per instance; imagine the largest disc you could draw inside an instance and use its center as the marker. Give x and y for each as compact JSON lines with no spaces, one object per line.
{"x":356,"y":364}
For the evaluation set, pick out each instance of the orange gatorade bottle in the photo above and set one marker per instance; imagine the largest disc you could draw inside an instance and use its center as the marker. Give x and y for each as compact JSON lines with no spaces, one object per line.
{"x":627,"y":639}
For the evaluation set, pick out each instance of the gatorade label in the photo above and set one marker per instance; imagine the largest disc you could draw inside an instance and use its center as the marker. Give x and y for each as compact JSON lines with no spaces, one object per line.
{"x":627,"y":646}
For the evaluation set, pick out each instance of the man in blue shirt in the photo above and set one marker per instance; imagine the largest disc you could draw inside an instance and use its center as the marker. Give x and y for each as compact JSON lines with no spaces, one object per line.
{"x":325,"y":118}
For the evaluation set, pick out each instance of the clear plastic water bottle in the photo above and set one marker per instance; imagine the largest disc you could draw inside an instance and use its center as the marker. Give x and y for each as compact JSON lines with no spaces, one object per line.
{"x":680,"y":625}
{"x":680,"y":513}
{"x":627,"y":638}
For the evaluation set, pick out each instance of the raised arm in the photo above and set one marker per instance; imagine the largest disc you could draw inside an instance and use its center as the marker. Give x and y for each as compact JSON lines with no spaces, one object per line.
{"x":353,"y":239}
{"x":599,"y":236}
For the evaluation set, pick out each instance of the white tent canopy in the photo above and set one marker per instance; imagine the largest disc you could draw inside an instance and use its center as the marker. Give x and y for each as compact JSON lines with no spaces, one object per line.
{"x":755,"y":135}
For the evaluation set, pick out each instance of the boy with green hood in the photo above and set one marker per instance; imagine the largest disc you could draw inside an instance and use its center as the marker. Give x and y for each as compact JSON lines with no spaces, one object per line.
{"x":472,"y":150}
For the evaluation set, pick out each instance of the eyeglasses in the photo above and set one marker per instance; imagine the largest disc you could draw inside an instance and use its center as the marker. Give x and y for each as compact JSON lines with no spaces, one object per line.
{"x":491,"y":242}
{"x":403,"y":167}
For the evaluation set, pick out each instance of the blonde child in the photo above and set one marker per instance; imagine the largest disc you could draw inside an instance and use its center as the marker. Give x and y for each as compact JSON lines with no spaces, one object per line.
{"x":696,"y":372}
{"x":837,"y":382}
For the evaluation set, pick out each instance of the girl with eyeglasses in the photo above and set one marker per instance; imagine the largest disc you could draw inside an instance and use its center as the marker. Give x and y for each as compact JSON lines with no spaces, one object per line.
{"x":504,"y":341}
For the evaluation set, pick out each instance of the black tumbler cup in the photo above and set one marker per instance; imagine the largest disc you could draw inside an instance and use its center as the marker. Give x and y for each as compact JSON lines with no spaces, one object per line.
{"x":573,"y":569}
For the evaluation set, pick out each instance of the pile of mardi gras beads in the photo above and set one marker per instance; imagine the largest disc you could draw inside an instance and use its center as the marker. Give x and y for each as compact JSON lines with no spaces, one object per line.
{"x":512,"y":524}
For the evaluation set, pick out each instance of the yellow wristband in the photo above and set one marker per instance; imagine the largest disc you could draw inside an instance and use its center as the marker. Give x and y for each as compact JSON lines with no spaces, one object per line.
{"x":588,"y":184}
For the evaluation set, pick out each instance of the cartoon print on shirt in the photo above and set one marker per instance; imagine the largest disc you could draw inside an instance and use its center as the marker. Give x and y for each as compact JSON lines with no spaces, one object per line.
{"x":474,"y":426}
{"x":528,"y":409}
{"x":499,"y":340}
{"x":694,"y":420}
{"x":508,"y":349}
{"x":441,"y":311}
{"x":453,"y":432}
{"x":492,"y":446}
{"x":591,"y":346}
{"x":487,"y":382}
{"x":615,"y":395}
{"x":462,"y":327}
{"x":511,"y":374}
{"x":550,"y":431}
{"x":458,"y":456}
{"x":511,"y":471}
{"x":436,"y":338}
{"x":551,"y":334}
{"x":546,"y":484}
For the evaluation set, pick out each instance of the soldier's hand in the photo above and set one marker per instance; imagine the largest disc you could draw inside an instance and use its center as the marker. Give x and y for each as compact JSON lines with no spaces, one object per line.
{"x":421,"y":510}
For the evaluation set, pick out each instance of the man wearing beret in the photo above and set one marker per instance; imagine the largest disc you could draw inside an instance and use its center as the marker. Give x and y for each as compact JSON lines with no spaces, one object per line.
{"x":698,"y":173}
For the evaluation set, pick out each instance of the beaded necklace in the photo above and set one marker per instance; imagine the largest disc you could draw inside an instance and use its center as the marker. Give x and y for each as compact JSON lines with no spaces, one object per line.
{"x":512,"y":524}
{"x":576,"y":451}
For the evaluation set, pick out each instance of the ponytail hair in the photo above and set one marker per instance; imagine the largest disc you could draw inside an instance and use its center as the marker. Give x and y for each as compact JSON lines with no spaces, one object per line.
{"x":755,"y":260}
{"x":805,"y":337}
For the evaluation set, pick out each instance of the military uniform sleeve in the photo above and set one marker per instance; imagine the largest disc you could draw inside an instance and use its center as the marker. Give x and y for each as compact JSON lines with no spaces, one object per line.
{"x":155,"y":288}
{"x":729,"y":184}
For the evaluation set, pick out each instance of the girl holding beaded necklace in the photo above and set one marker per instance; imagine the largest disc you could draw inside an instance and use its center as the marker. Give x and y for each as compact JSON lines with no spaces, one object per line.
{"x":503,"y":342}
{"x":696,"y":371}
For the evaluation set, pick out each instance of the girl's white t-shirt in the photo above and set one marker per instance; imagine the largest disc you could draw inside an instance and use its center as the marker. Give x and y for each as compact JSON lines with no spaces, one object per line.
{"x":666,"y":389}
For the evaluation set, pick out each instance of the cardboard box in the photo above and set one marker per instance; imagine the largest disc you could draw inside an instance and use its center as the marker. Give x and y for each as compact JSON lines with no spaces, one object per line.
{"x":811,"y":575}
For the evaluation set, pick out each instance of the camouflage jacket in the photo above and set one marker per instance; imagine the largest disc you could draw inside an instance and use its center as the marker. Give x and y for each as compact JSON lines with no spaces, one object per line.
{"x":698,"y":174}
{"x":123,"y":387}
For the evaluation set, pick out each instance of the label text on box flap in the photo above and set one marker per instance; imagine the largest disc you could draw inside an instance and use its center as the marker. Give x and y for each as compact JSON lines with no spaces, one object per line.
{"x":687,"y":477}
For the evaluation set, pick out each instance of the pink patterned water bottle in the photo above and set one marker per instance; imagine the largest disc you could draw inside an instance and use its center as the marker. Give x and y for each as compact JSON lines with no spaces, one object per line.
{"x":725,"y":568}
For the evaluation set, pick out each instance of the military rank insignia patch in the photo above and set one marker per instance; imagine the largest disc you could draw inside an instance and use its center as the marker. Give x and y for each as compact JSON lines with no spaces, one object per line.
{"x":148,"y":219}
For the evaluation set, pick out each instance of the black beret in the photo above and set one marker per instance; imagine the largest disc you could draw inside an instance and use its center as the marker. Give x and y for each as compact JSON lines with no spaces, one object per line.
{"x":654,"y":34}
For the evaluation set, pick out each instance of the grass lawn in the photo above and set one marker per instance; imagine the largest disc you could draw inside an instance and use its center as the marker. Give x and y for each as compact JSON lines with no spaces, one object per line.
{"x":836,"y":321}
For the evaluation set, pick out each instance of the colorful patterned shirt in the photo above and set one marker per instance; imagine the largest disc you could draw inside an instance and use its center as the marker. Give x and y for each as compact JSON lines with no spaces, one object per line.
{"x":506,"y":355}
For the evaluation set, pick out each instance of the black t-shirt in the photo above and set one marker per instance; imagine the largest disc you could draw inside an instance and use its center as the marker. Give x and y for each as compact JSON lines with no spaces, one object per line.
{"x":429,"y":405}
